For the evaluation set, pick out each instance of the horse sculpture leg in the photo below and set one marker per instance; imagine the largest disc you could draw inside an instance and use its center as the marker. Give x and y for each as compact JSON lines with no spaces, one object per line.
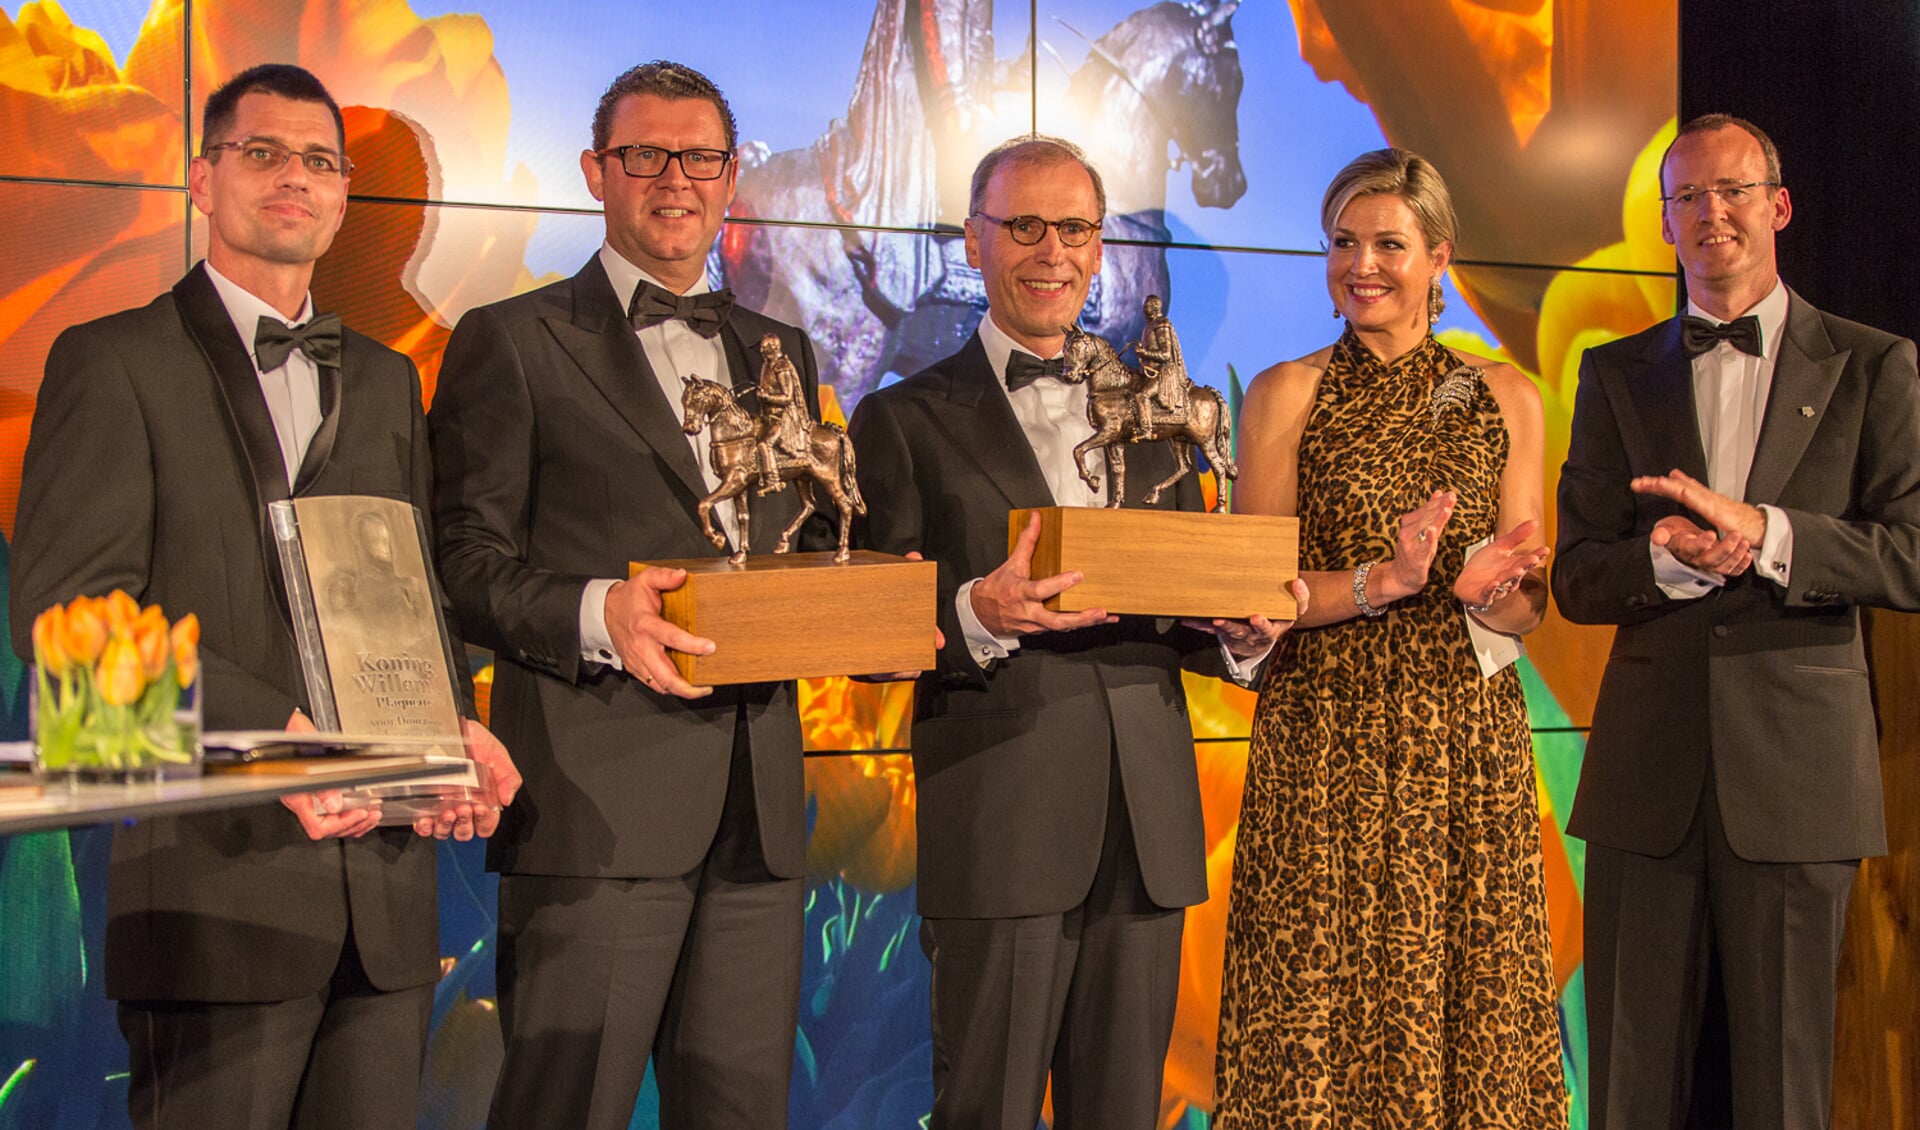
{"x":1183,"y":454}
{"x":1107,"y":437}
{"x":806,"y":511}
{"x":742,"y":531}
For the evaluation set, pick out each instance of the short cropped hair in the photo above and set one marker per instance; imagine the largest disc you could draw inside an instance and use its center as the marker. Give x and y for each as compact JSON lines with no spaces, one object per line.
{"x":1033,"y":149}
{"x":1394,"y":172}
{"x":1708,"y":123}
{"x":283,"y":79}
{"x":662,"y":78}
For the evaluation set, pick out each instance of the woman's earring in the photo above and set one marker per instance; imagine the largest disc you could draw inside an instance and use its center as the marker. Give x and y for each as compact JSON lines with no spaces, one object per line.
{"x":1336,"y":311}
{"x":1436,"y":302}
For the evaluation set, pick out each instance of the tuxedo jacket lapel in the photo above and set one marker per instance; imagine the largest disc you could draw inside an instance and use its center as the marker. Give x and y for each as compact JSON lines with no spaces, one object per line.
{"x":600,"y":340}
{"x":227,"y":358}
{"x":320,"y":446}
{"x":250,"y":423}
{"x":979,"y":420}
{"x":1663,"y":392}
{"x":1804,"y":375}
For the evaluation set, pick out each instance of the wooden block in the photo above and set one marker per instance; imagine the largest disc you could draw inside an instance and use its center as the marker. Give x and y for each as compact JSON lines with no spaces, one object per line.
{"x":1167,"y":562}
{"x":800,"y":616}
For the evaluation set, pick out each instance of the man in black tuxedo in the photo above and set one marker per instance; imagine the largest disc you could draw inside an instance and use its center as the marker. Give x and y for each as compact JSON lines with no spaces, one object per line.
{"x":650,"y":891}
{"x":1060,"y":836}
{"x":1740,"y":482}
{"x":272,"y":970}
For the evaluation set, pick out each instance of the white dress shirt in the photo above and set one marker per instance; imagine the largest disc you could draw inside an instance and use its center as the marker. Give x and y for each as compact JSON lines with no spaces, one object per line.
{"x":293,"y":389}
{"x":674,"y":351}
{"x":1730,"y":391}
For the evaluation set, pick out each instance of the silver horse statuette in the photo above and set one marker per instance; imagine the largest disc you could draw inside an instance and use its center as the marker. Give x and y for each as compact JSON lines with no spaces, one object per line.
{"x":1156,"y":401}
{"x":783,"y":444}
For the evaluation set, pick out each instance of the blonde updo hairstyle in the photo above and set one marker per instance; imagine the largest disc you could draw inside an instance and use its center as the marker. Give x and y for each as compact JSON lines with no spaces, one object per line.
{"x":1411,"y":177}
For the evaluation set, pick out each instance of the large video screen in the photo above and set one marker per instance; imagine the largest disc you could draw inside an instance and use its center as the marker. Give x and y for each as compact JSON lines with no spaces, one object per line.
{"x":1217,"y":125}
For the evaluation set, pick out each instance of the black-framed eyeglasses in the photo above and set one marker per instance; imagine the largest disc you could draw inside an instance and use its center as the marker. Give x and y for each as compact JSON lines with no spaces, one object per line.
{"x":265,"y":155}
{"x":1029,"y":230}
{"x":1732,"y":195}
{"x":651,"y":160}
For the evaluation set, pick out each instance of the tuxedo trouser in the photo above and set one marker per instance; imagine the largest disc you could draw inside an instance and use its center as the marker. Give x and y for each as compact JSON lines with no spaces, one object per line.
{"x":1089,"y":992}
{"x":348,"y":1055}
{"x":703,"y":969}
{"x":1654,"y":929}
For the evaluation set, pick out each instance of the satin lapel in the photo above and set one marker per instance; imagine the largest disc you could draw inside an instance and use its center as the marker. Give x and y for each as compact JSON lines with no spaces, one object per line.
{"x":1662,"y":393}
{"x":320,"y":447}
{"x":981,"y":423}
{"x":1804,"y":377}
{"x":249,"y":422}
{"x":601,"y":342}
{"x":207,"y":320}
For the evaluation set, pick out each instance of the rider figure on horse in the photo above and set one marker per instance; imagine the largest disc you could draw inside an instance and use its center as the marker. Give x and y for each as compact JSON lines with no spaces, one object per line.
{"x":784,"y":419}
{"x":1166,"y":373}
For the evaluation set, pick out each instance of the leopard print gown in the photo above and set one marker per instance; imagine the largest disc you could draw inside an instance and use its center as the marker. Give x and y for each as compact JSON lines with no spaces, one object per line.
{"x":1388,"y":959}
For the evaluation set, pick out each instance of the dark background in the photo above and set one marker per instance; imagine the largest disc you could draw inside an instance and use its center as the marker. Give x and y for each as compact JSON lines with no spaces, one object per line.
{"x":1837,"y":87}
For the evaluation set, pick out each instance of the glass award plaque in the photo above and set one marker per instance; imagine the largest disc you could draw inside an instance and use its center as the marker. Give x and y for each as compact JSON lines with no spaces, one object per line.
{"x":373,"y":643}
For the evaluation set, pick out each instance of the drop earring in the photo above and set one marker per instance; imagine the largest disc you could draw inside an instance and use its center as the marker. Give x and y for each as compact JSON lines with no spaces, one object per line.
{"x":1436,"y":302}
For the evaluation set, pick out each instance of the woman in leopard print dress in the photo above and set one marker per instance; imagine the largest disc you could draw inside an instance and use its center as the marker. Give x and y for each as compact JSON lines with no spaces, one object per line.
{"x":1388,"y":960}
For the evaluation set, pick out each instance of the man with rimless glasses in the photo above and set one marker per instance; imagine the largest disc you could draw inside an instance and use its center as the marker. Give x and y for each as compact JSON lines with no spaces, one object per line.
{"x":1060,"y":836}
{"x":1740,"y":482}
{"x":650,"y":898}
{"x":273,"y":968}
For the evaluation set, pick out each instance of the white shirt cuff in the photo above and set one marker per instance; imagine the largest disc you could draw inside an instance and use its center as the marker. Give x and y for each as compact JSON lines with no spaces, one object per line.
{"x":1678,"y":579}
{"x":984,"y":646}
{"x":1241,"y":670}
{"x":1774,"y":559}
{"x":596,"y":645}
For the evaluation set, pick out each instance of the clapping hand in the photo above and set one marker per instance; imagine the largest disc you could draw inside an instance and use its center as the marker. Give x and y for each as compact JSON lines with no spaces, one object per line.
{"x":1726,"y":548}
{"x":1417,"y":544}
{"x":1497,"y":568}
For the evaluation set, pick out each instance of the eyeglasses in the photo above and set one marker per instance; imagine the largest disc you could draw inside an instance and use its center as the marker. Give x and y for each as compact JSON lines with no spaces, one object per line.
{"x":1732,"y":195}
{"x":1029,"y":230}
{"x":651,"y":160}
{"x":263,"y":155}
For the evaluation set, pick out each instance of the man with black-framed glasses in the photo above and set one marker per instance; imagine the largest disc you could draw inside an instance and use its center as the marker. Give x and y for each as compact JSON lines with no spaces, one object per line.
{"x":650,"y":898}
{"x":1060,"y":836}
{"x":1739,"y":483}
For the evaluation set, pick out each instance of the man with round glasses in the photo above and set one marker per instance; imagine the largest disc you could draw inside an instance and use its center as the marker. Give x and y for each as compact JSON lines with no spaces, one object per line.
{"x":650,"y":900}
{"x":1740,"y":482}
{"x":1059,"y":809}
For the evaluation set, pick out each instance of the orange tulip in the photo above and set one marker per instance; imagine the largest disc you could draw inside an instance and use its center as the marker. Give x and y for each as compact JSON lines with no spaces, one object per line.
{"x":150,"y":636}
{"x":122,"y":611}
{"x":119,"y":677}
{"x":47,"y":650}
{"x":186,"y":649}
{"x":84,"y":629}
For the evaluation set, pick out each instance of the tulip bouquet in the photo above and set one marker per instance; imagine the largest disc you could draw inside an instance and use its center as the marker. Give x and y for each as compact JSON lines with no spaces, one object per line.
{"x":114,"y":685}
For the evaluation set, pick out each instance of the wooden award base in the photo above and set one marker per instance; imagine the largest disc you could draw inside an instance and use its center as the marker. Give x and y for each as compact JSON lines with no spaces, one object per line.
{"x":800,"y":616}
{"x":1167,"y":562}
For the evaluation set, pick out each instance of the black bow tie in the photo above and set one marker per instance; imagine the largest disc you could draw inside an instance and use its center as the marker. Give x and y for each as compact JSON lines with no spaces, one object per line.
{"x":704,"y":314}
{"x":1697,"y":335}
{"x":274,"y":341}
{"x":1024,"y":368}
